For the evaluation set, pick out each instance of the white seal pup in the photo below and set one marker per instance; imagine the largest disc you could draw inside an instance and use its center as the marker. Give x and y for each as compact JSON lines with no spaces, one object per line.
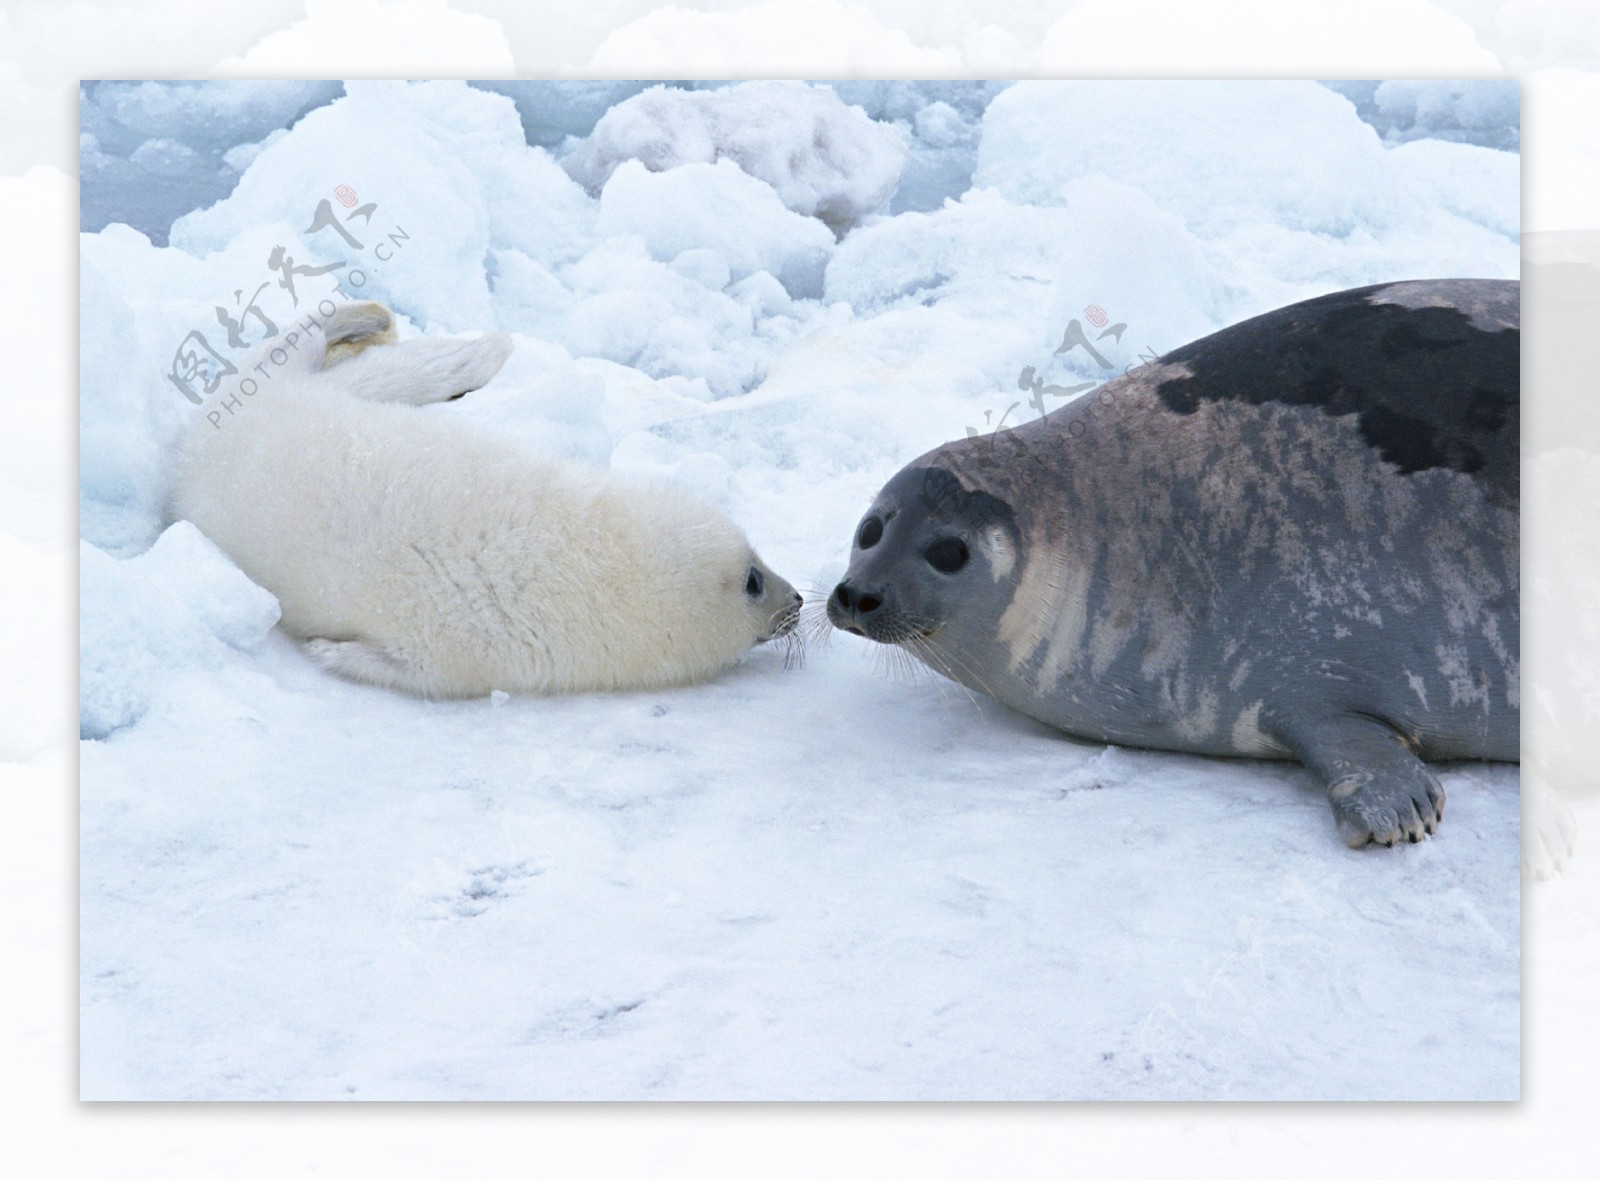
{"x":1295,"y":538}
{"x":411,"y":552}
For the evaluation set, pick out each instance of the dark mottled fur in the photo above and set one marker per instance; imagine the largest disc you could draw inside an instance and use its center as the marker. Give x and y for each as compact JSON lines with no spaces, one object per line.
{"x":1297,"y":537}
{"x":1431,"y":389}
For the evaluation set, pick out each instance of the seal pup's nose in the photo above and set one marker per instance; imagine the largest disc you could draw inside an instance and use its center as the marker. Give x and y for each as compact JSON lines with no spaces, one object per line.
{"x":789,"y":615}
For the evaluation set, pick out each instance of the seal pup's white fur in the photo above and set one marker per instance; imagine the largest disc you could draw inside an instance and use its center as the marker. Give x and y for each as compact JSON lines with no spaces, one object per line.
{"x":411,"y":552}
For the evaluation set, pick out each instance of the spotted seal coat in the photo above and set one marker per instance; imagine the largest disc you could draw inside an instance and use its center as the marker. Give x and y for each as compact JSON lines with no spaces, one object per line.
{"x":1294,"y":538}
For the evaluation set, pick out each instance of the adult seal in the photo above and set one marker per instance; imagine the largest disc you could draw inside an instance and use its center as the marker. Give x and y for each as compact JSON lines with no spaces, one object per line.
{"x":1296,"y":537}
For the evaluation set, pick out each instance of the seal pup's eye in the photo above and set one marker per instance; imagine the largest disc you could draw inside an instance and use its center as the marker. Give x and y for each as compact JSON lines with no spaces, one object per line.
{"x":948,"y":555}
{"x":871,"y":530}
{"x":754,"y":584}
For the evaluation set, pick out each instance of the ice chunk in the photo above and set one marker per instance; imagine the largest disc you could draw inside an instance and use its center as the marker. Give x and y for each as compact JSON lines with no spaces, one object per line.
{"x":551,"y":111}
{"x":1486,"y":112}
{"x":762,"y":294}
{"x":540,"y":402}
{"x":941,"y":120}
{"x":637,"y":311}
{"x":239,"y":158}
{"x":528,"y":296}
{"x":1477,"y":183}
{"x":721,"y":208}
{"x":823,"y":158}
{"x":413,"y":185}
{"x":900,"y":99}
{"x":977,"y":247}
{"x":705,"y":267}
{"x":1218,"y":154}
{"x":124,"y":427}
{"x":180,"y":605}
{"x":1033,"y":270}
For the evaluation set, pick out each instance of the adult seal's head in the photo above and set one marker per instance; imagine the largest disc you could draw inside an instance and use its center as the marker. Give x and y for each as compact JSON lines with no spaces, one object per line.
{"x":1294,"y":538}
{"x":930,"y":558}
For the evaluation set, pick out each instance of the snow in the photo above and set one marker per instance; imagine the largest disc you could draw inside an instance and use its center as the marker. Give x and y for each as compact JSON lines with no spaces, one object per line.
{"x":720,"y":210}
{"x":831,"y":881}
{"x":1484,"y":112}
{"x":175,"y":605}
{"x":1180,"y":142}
{"x":1477,"y":183}
{"x":821,"y":157}
{"x":219,"y":128}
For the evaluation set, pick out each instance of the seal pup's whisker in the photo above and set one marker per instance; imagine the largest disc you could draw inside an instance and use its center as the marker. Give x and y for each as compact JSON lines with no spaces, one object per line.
{"x":814,"y":629}
{"x":792,"y":645}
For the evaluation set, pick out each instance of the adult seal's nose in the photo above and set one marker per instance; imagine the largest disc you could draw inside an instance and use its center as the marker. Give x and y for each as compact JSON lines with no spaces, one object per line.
{"x":849,"y":600}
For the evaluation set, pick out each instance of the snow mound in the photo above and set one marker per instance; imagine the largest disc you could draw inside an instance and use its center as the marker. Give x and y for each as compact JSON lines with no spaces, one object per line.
{"x":1476,"y":183}
{"x":127,"y":429}
{"x":825,"y":159}
{"x":1485,"y":112}
{"x":1218,"y":154}
{"x":941,"y":121}
{"x":638,"y":311}
{"x":900,"y":100}
{"x":720,"y":208}
{"x":541,"y":402}
{"x":1110,"y":245}
{"x":182,"y":604}
{"x":437,"y":174}
{"x":958,"y":250}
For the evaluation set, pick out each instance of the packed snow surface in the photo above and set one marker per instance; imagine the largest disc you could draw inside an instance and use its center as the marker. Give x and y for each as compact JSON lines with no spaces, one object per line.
{"x":842,"y":880}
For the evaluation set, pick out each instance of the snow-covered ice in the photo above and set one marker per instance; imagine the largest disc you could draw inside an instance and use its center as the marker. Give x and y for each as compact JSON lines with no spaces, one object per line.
{"x":835,"y":881}
{"x":820,"y":156}
{"x":720,"y":211}
{"x":1480,"y":111}
{"x":150,"y":150}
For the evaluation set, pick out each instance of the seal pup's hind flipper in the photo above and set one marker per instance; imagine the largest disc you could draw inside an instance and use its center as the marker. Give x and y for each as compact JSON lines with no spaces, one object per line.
{"x":371,"y":664}
{"x":429,"y":369}
{"x":353,"y":329}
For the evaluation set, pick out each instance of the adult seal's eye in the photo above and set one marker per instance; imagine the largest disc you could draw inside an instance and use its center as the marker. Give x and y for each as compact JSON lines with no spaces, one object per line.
{"x":754,"y":584}
{"x":871,"y":530}
{"x":948,"y":555}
